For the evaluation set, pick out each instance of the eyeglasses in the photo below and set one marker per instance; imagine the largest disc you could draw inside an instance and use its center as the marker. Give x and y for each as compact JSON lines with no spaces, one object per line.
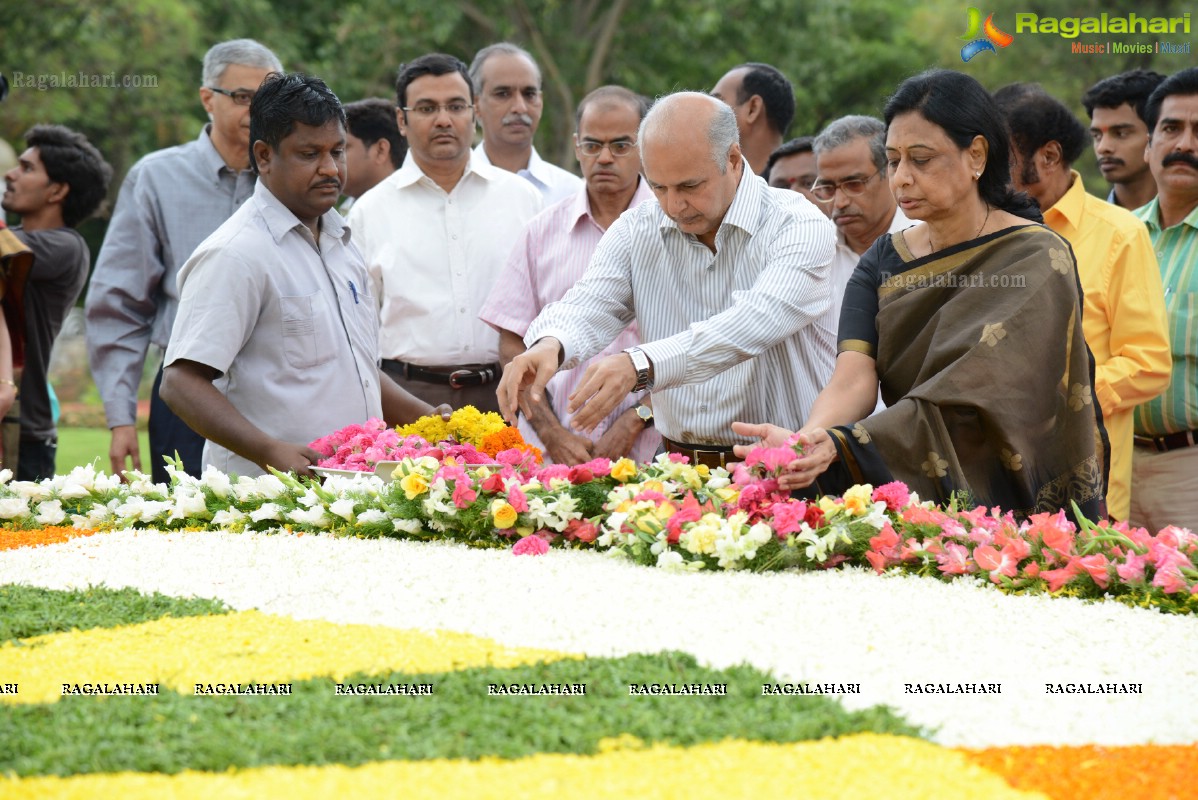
{"x":618,"y":148}
{"x":241,"y":97}
{"x":432,"y":109}
{"x":825,"y":191}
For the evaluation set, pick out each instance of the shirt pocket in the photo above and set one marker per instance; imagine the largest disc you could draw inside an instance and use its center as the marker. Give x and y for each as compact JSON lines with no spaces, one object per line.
{"x":306,"y":333}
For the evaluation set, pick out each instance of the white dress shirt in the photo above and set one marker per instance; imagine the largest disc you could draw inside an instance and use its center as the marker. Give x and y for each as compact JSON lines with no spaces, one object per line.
{"x":554,"y":183}
{"x":739,"y":334}
{"x":433,"y":257}
{"x":845,"y":261}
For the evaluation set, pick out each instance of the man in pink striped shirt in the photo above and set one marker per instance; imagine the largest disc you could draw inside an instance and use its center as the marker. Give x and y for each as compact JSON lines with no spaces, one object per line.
{"x":552,"y":255}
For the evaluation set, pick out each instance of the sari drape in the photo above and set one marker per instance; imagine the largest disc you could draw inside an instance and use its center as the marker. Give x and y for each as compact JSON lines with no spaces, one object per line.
{"x":985,"y":372}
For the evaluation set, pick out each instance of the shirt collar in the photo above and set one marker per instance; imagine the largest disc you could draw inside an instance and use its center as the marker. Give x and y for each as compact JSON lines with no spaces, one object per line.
{"x":1071,"y":206}
{"x":213,"y":163}
{"x":538,"y":171}
{"x":1151,"y":214}
{"x":580,"y":204}
{"x":280,"y":220}
{"x":745,"y":210}
{"x":411,"y":172}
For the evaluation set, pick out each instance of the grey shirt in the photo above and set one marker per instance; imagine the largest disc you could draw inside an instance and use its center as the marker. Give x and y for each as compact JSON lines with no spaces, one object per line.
{"x":288,"y":323}
{"x":170,"y":201}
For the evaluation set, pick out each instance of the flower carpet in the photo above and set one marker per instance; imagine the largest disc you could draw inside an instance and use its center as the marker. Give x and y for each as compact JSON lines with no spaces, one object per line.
{"x":468,"y":623}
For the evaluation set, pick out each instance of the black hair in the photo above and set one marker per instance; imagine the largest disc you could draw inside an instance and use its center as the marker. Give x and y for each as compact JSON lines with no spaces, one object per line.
{"x":283,"y":100}
{"x":429,"y":64}
{"x":1132,"y":87}
{"x":1183,"y":82}
{"x":963,"y":108}
{"x":1036,"y":118}
{"x":775,"y":91}
{"x":373,"y":119}
{"x":68,"y":157}
{"x":803,"y":144}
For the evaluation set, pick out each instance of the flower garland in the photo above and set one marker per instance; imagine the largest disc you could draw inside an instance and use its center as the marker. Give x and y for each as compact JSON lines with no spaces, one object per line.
{"x":666,"y":513}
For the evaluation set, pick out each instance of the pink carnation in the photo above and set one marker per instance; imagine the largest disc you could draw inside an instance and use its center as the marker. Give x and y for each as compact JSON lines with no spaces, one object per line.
{"x":530,"y":546}
{"x":894,"y":494}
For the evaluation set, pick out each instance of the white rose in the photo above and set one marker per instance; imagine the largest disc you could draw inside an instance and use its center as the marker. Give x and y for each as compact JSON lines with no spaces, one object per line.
{"x":13,"y":507}
{"x":50,"y":513}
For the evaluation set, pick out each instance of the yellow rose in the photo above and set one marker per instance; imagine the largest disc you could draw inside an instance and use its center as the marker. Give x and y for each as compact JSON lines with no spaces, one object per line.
{"x":503,"y":514}
{"x":623,"y":470}
{"x":859,"y":499}
{"x":414,"y":484}
{"x":829,"y":506}
{"x":664,"y":511}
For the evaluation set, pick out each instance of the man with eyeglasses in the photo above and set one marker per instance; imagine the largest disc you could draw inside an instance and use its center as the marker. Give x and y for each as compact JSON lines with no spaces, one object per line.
{"x":170,"y":202}
{"x":507,"y":83}
{"x":552,"y":256}
{"x":435,"y":235}
{"x":852,"y":186}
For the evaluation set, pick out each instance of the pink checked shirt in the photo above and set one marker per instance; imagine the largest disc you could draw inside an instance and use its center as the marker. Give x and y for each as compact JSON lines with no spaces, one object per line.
{"x":548,"y":259}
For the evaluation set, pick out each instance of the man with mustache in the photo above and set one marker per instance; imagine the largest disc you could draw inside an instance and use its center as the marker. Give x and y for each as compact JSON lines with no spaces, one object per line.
{"x":1120,"y":133}
{"x":852,"y":186}
{"x":170,"y":201}
{"x":435,"y":235}
{"x":507,"y":83}
{"x":1123,"y":309}
{"x":1165,"y":462}
{"x":276,"y":339}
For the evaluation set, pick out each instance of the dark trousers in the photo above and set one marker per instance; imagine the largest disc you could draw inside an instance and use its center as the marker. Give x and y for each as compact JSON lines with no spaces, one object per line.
{"x":170,"y":435}
{"x":36,"y":460}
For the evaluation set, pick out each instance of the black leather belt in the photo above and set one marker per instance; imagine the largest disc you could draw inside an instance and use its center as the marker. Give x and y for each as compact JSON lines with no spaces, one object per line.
{"x":454,"y":377}
{"x":713,"y":455}
{"x":1170,"y":441}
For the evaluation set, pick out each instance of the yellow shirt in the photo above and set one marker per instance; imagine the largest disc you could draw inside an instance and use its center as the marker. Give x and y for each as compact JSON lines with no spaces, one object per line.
{"x":1123,"y":318}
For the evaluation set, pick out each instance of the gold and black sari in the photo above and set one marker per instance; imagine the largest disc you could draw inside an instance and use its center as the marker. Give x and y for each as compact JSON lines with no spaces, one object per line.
{"x":984,"y":370}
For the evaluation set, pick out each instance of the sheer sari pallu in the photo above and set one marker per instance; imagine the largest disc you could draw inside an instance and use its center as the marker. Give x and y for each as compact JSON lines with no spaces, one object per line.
{"x":986,"y":375}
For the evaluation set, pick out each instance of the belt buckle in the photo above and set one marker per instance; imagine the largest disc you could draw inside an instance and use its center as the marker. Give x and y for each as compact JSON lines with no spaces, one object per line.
{"x":456,"y":375}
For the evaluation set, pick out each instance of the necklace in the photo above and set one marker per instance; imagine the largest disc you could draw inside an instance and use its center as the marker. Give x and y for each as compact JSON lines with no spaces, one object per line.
{"x":933,"y":246}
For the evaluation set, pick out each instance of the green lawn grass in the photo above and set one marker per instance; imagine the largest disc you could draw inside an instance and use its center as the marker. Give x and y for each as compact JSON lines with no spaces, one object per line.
{"x":79,"y":446}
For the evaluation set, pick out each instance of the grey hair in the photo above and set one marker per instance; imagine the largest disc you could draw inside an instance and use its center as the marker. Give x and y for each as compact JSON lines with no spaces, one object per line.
{"x":246,"y":52}
{"x":844,"y":130}
{"x":722,"y":132}
{"x":504,"y":48}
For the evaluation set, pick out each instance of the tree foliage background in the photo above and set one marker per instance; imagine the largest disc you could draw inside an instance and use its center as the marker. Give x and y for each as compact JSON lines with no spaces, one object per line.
{"x":844,"y":56}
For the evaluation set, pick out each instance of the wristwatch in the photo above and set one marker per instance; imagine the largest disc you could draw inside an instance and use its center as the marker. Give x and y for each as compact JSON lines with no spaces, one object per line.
{"x":645,"y":413}
{"x":640,"y":362}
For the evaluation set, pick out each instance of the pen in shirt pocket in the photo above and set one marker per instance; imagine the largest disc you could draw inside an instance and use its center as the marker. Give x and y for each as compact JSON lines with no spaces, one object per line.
{"x":354,"y":289}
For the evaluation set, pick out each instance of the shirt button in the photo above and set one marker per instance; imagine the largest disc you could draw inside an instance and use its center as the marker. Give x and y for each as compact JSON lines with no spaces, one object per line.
{"x":703,"y":408}
{"x":367,"y":382}
{"x":453,"y":236}
{"x":462,"y":310}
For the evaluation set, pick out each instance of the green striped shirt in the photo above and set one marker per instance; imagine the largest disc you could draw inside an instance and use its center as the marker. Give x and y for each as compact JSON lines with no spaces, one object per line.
{"x":1177,"y":253}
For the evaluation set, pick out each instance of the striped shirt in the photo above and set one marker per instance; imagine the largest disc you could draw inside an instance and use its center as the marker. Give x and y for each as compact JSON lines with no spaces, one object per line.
{"x":549,"y":258}
{"x":1176,"y":248}
{"x":744,"y":333}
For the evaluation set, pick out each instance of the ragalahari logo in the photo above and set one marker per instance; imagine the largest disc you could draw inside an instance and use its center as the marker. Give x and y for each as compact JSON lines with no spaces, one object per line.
{"x":993,"y":36}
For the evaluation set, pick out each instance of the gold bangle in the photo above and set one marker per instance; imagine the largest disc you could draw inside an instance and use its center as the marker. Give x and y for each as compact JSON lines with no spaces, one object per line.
{"x":9,"y":381}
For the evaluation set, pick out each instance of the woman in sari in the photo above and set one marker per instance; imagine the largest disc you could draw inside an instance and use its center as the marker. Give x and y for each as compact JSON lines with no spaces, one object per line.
{"x":970,"y":323}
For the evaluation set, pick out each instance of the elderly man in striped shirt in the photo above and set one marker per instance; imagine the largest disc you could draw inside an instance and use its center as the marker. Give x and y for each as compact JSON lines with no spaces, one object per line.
{"x":552,"y":255}
{"x":727,"y":280}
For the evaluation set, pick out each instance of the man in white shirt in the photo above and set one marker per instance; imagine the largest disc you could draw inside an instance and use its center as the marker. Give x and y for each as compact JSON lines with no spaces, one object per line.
{"x":435,"y":235}
{"x":727,"y":279}
{"x":507,"y":85}
{"x":851,"y":183}
{"x":275,"y":344}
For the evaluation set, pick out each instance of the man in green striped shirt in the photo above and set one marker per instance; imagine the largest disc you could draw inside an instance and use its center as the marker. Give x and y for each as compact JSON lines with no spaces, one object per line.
{"x":1165,"y":464}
